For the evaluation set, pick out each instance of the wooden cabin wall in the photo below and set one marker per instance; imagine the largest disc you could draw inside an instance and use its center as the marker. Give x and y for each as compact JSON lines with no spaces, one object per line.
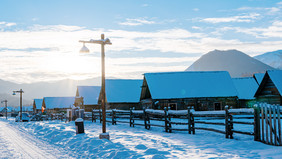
{"x":88,"y":108}
{"x":269,"y":94}
{"x":199,"y":104}
{"x":123,"y":106}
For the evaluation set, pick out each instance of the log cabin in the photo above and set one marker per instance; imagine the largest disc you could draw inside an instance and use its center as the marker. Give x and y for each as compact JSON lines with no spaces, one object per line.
{"x":246,"y":88}
{"x":122,"y":93}
{"x":87,"y":97}
{"x":37,"y":105}
{"x":57,"y":104}
{"x":205,"y":90}
{"x":270,"y":89}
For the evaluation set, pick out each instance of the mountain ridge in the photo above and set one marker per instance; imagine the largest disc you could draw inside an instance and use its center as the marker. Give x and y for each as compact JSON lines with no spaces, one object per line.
{"x":237,"y":63}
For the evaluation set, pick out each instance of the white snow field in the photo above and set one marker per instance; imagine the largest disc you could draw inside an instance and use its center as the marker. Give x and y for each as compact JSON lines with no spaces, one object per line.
{"x":57,"y":139}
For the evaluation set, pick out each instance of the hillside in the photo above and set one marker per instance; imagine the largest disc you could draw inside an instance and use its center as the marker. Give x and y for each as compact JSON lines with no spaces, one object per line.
{"x":273,"y":59}
{"x":237,"y":63}
{"x":42,"y":89}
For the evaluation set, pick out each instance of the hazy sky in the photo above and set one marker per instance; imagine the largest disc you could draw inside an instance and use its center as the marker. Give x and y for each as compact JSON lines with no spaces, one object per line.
{"x":39,"y":39}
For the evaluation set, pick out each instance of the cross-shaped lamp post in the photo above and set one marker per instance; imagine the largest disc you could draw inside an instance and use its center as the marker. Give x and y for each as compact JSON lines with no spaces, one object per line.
{"x":84,"y":49}
{"x":21,"y":101}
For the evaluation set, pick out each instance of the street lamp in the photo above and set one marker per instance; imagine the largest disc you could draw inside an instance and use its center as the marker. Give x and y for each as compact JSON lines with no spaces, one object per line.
{"x":5,"y":101}
{"x":84,"y":49}
{"x":21,"y":101}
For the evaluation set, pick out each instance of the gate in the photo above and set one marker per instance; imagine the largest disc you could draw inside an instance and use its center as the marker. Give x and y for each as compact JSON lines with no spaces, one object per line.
{"x":268,"y":124}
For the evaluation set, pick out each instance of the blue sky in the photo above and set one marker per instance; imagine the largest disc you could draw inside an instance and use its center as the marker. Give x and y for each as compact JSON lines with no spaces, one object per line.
{"x":39,"y":39}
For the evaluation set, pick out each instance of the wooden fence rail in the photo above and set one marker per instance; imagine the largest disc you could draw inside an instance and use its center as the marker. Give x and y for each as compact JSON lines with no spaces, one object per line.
{"x":266,"y":123}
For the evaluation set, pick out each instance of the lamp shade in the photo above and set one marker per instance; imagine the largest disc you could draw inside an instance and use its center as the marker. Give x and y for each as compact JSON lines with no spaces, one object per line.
{"x":84,"y":49}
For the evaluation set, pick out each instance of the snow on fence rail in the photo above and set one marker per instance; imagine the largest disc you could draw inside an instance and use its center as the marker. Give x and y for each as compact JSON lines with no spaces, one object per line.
{"x":170,"y":119}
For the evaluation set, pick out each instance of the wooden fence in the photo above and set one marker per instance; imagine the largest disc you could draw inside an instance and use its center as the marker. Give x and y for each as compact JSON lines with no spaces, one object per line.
{"x":269,"y":124}
{"x":167,"y":119}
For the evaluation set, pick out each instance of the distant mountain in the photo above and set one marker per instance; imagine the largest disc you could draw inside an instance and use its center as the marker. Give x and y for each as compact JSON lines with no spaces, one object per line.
{"x":43,"y":89}
{"x":237,"y":63}
{"x":273,"y":59}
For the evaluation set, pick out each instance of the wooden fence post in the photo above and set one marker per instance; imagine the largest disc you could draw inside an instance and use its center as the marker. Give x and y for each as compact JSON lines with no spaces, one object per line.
{"x":231,"y":126}
{"x":256,"y":123}
{"x":262,"y":122}
{"x":270,"y":123}
{"x":166,"y":121}
{"x":130,"y":117}
{"x":226,"y":122}
{"x":113,"y":117}
{"x":145,"y":118}
{"x":274,"y":124}
{"x":279,"y":125}
{"x":192,"y":121}
{"x":189,"y":120}
{"x":266,"y":122}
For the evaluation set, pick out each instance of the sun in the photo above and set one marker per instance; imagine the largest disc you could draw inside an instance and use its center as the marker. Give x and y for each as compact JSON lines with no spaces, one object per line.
{"x":73,"y":65}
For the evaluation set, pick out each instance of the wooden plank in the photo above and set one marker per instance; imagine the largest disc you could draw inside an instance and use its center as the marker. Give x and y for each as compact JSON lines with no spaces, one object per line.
{"x":279,"y":126}
{"x":262,"y":123}
{"x":266,"y":123}
{"x":270,"y":124}
{"x":211,"y":129}
{"x":212,"y":123}
{"x":274,"y":120}
{"x":242,"y":122}
{"x":179,"y":129}
{"x":155,"y":125}
{"x":242,"y":132}
{"x":178,"y":123}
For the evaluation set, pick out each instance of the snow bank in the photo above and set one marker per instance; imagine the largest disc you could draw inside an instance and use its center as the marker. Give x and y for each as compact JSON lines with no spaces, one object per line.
{"x":137,"y":142}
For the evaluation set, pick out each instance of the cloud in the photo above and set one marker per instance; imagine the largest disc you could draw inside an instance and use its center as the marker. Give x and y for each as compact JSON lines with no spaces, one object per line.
{"x":52,"y":51}
{"x":272,"y":31}
{"x":242,"y":18}
{"x":6,"y":24}
{"x":196,"y":9}
{"x":137,"y":22}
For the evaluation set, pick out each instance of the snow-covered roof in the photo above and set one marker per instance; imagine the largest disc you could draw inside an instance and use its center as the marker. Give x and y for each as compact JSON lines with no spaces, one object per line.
{"x":58,"y":102}
{"x":38,"y":103}
{"x":90,"y":94}
{"x":276,"y":77}
{"x":123,"y":90}
{"x":173,"y":85}
{"x":259,"y":77}
{"x":246,"y":87}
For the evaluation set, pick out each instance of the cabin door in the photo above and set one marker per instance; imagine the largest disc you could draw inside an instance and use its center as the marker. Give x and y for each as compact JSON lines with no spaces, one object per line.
{"x":217,"y":106}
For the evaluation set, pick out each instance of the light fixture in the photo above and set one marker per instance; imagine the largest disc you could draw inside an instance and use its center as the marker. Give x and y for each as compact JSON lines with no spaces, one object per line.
{"x":14,"y":93}
{"x":84,"y":49}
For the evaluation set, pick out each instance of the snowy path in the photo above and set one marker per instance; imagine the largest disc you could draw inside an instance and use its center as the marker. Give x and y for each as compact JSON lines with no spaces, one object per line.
{"x":16,"y":144}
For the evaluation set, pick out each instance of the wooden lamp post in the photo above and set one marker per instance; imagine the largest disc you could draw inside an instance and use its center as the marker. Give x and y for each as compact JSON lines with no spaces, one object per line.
{"x":84,"y":49}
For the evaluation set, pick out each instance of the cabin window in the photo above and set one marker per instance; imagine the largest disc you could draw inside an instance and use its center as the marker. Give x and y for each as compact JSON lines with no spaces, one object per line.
{"x":217,"y":106}
{"x":173,"y":106}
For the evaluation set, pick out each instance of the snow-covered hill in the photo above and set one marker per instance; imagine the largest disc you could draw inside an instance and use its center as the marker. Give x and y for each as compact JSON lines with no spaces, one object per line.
{"x":237,"y":63}
{"x":273,"y":59}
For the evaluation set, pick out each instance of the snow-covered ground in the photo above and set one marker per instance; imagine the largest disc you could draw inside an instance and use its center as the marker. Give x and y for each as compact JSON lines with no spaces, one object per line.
{"x":56,"y":139}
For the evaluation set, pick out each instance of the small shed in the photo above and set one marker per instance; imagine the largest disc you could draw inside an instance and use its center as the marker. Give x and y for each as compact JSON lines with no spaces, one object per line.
{"x":270,"y":89}
{"x":37,"y":105}
{"x":205,"y":90}
{"x":246,"y":88}
{"x":258,"y":77}
{"x":87,"y":97}
{"x":57,"y":104}
{"x":123,"y":93}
